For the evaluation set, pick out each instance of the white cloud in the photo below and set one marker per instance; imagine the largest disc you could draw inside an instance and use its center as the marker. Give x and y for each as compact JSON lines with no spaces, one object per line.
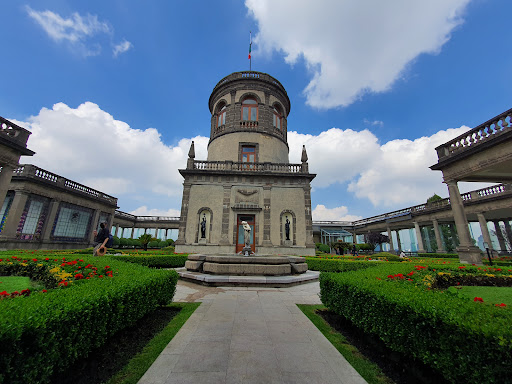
{"x":353,"y":47}
{"x":89,"y":146}
{"x":378,"y":123}
{"x":322,"y":213}
{"x":122,"y":47}
{"x":394,"y":174}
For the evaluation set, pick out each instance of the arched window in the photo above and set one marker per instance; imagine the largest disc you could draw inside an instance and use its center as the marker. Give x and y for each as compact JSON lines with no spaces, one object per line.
{"x":278,"y":118}
{"x":221,"y":116}
{"x":250,"y":110}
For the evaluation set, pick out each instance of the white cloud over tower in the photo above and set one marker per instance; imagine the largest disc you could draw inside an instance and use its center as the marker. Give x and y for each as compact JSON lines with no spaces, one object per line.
{"x":353,"y":47}
{"x":87,"y":145}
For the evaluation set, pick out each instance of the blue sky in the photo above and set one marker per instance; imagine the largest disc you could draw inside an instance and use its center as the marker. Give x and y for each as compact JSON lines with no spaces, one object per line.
{"x":115,"y":91}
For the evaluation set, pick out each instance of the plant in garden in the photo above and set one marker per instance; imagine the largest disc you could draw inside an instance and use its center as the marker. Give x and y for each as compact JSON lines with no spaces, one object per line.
{"x":145,"y":239}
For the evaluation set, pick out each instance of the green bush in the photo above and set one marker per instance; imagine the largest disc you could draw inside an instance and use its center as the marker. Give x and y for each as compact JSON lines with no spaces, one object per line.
{"x":170,"y":242}
{"x":465,"y":341}
{"x":386,"y":256}
{"x":155,"y":261}
{"x":123,"y":242}
{"x":162,"y":244}
{"x":335,"y":265}
{"x":46,"y":332}
{"x":439,"y":255}
{"x":116,"y":241}
{"x":322,"y":247}
{"x":154,"y":244}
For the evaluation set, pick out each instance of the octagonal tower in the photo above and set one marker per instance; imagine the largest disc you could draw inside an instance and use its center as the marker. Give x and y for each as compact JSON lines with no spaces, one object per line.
{"x":247,"y":175}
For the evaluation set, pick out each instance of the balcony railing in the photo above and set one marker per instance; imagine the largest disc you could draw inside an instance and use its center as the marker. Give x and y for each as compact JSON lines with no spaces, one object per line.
{"x":32,"y":172}
{"x":251,"y":75}
{"x":467,"y":197}
{"x":14,"y":132}
{"x":146,"y":219}
{"x":487,"y":131}
{"x":247,"y":167}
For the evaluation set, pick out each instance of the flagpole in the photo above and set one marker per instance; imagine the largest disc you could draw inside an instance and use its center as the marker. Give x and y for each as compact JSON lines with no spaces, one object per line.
{"x":250,"y":46}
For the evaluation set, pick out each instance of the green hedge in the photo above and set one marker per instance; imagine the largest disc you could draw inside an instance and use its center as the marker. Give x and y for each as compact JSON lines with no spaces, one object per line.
{"x":439,"y":255}
{"x":467,"y":342}
{"x":155,"y":261}
{"x":46,"y":332}
{"x":334,"y":265}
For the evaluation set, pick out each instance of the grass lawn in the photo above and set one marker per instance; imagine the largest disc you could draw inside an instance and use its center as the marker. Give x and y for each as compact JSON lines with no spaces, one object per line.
{"x":16,"y":283}
{"x":492,"y":295}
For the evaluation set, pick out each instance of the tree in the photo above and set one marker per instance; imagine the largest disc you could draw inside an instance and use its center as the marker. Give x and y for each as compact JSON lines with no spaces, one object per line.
{"x":375,"y":238}
{"x":145,"y":239}
{"x":435,"y":197}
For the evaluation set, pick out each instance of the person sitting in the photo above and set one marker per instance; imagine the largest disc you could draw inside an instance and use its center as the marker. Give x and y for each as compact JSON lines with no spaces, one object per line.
{"x":100,"y":238}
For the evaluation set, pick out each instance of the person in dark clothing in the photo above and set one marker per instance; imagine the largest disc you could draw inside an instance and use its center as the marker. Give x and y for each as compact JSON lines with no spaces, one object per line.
{"x":100,"y":238}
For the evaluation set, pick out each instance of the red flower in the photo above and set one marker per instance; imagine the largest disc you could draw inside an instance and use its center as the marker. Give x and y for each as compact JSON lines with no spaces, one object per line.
{"x":79,"y":276}
{"x":501,"y":305}
{"x":378,"y":278}
{"x":410,"y":273}
{"x":478,"y":299}
{"x":34,"y":259}
{"x":391,"y":277}
{"x":462,"y":267}
{"x":44,"y":291}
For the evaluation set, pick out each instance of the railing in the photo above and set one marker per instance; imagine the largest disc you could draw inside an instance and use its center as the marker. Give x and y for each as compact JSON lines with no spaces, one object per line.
{"x":36,"y":173}
{"x":14,"y":132}
{"x":247,"y":167}
{"x":330,"y":222}
{"x":162,"y":219}
{"x":250,"y":75}
{"x":483,"y":133}
{"x":440,"y":204}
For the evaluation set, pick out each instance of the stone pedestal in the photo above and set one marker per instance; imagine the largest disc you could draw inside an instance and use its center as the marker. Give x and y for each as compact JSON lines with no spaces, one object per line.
{"x":469,"y":255}
{"x":287,"y":243}
{"x":202,"y":241}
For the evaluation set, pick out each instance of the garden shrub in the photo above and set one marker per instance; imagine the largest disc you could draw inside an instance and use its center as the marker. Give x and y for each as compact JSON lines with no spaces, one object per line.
{"x":162,"y":244}
{"x":46,"y":332}
{"x":123,"y":242}
{"x":116,"y":242}
{"x":323,"y":247}
{"x":336,"y":265}
{"x":439,"y":255}
{"x":154,"y":244}
{"x":155,"y":261}
{"x":466,"y":341}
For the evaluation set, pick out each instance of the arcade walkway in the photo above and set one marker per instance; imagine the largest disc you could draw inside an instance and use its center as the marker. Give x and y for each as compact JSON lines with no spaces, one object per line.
{"x":249,"y":335}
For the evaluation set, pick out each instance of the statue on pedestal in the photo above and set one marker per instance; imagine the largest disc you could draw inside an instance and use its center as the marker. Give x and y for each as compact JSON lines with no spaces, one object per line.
{"x":203,"y":227}
{"x":287,"y":229}
{"x":247,"y":238}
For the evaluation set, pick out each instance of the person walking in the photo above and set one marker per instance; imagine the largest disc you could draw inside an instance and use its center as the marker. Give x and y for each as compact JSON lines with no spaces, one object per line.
{"x":101,"y":239}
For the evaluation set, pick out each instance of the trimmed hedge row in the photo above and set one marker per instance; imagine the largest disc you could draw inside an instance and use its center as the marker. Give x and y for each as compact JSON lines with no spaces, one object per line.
{"x":465,"y":341}
{"x":336,"y":265}
{"x":439,"y":255}
{"x":155,"y":261}
{"x":46,"y":332}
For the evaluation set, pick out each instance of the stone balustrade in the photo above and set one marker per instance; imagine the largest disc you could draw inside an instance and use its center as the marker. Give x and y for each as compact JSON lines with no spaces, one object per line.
{"x":13,"y":132}
{"x":467,"y":197}
{"x":485,"y":132}
{"x":250,"y":75}
{"x":29,"y":171}
{"x":247,"y":167}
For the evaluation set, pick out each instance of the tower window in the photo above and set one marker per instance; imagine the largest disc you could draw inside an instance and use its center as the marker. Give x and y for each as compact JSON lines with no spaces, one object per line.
{"x":250,"y":110}
{"x":278,"y":118}
{"x":248,"y":155}
{"x":221,"y":116}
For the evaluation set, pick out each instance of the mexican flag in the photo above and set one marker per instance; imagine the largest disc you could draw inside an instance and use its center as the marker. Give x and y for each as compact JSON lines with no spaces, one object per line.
{"x":250,"y":43}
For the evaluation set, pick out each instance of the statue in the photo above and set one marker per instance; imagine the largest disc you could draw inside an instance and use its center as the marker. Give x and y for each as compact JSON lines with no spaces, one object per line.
{"x":247,"y":234}
{"x":203,"y":227}
{"x":287,"y":228}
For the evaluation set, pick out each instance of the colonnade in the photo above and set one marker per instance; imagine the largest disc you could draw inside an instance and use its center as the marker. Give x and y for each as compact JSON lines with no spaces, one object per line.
{"x":119,"y":231}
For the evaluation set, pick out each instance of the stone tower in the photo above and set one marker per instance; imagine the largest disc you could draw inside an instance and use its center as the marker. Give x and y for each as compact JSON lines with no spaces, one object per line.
{"x":247,"y":176}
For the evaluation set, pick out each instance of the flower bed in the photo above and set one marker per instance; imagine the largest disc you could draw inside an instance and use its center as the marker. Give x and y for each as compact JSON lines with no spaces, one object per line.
{"x":464,"y":340}
{"x":47,"y":331}
{"x":337,"y":265}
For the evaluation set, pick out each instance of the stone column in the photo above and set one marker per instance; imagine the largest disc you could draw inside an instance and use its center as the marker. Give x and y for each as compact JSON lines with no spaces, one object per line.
{"x":226,"y":203}
{"x":94,"y":224}
{"x":133,"y":231}
{"x":508,"y":230}
{"x":485,"y":229}
{"x":165,"y":234}
{"x":439,"y":240}
{"x":5,"y":180}
{"x":156,"y":233}
{"x":309,"y":217}
{"x":419,"y":238}
{"x":266,"y":216}
{"x":145,"y":230}
{"x":398,"y":240}
{"x":117,"y":228}
{"x":184,"y":212}
{"x":499,"y":235}
{"x":468,"y":253}
{"x":391,"y":248}
{"x":50,"y":219}
{"x":14,"y":214}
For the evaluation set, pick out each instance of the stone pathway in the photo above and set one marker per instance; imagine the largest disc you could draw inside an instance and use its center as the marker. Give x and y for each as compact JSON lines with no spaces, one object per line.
{"x":249,"y":335}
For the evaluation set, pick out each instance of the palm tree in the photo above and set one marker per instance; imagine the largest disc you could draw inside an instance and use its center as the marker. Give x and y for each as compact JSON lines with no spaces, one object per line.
{"x":145,"y":239}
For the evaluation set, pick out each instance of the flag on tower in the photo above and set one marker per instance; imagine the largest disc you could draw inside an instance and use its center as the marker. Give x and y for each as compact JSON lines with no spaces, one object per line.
{"x":250,"y":43}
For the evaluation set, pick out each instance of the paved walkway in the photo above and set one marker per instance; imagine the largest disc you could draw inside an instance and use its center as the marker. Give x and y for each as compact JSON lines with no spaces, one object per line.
{"x":249,"y":335}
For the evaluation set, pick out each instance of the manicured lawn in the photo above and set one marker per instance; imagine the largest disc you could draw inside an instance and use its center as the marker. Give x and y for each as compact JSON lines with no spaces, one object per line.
{"x":15,"y":283}
{"x":492,"y":295}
